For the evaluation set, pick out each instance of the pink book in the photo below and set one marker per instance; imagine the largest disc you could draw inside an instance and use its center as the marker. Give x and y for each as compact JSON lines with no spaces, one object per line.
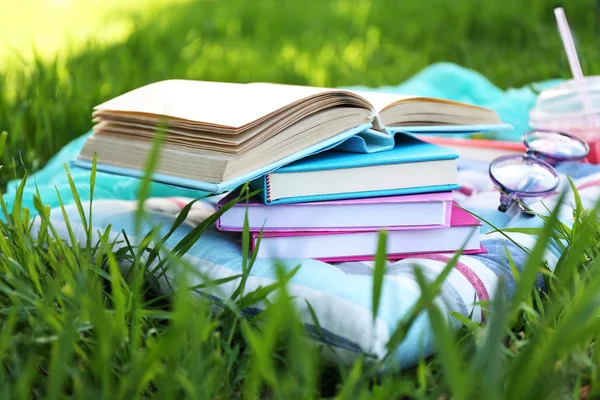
{"x":477,"y":149}
{"x":392,"y":213}
{"x":359,"y":245}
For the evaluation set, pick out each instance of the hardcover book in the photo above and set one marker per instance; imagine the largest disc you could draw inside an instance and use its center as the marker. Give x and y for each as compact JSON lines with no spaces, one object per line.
{"x":333,"y":246}
{"x":220,"y":135}
{"x":392,"y":212}
{"x":412,"y":166}
{"x":477,"y":149}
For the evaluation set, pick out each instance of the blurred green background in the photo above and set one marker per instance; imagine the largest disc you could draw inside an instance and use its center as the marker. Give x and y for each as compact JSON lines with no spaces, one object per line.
{"x":59,"y":58}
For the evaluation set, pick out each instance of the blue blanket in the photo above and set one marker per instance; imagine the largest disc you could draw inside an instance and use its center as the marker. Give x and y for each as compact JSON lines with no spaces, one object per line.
{"x":338,"y":291}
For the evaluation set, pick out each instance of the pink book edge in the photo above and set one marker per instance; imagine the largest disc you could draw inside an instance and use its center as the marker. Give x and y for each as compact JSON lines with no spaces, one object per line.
{"x":458,"y":217}
{"x":395,"y":257}
{"x":477,"y":143}
{"x":390,"y":257}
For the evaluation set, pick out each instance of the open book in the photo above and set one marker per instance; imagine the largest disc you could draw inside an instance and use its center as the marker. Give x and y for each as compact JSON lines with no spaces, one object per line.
{"x":218,"y":133}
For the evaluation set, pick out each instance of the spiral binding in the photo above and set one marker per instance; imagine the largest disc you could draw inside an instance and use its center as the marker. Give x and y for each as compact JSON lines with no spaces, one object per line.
{"x":268,"y":182}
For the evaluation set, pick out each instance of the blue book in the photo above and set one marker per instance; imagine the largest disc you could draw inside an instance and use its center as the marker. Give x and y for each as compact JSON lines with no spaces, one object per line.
{"x":411,"y":166}
{"x":218,"y":135}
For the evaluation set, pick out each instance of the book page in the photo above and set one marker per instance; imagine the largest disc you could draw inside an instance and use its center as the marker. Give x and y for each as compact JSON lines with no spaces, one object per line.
{"x":213,"y":103}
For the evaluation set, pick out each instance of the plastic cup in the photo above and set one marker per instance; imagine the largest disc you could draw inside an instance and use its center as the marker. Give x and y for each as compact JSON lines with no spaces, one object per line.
{"x":572,"y":107}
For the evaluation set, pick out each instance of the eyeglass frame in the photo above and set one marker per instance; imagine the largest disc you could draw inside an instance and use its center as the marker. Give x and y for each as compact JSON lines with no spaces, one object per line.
{"x":545,"y":160}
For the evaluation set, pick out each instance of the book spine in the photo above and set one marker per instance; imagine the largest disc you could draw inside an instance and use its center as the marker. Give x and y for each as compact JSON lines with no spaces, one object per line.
{"x":268,"y":188}
{"x":376,"y":122}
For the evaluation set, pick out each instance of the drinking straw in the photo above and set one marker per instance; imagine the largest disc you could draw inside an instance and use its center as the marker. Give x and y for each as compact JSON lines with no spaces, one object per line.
{"x":567,"y":39}
{"x":569,"y":45}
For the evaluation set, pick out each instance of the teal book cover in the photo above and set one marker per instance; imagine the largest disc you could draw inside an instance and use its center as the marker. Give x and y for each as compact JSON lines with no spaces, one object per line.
{"x":407,"y":150}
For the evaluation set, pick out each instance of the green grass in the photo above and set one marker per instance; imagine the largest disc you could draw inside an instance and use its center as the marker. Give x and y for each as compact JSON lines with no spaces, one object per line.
{"x":43,"y":28}
{"x":72,"y":324}
{"x":45,"y":103}
{"x":75,"y":324}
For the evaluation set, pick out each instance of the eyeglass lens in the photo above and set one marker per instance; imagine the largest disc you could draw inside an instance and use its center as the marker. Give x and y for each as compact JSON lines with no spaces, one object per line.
{"x":523,"y":174}
{"x":556,"y":145}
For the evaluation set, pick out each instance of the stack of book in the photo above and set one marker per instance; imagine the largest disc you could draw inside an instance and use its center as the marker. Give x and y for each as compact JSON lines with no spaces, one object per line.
{"x":334,"y":166}
{"x":331,"y":206}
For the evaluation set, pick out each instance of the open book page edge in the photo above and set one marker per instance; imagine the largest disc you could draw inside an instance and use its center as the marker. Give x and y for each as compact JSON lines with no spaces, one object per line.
{"x":232,"y":183}
{"x":434,"y":100}
{"x":229,"y":105}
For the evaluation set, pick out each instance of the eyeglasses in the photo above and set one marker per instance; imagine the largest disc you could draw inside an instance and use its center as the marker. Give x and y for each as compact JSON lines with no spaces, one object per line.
{"x":532,"y":174}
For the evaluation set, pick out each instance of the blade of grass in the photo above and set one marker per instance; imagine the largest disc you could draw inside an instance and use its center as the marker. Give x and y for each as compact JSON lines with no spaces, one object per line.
{"x":17,"y":204}
{"x":378,"y":273}
{"x":3,"y":137}
{"x":534,"y":261}
{"x":455,"y":374}
{"x":150,"y":167}
{"x":92,"y":187}
{"x":397,"y":337}
{"x":489,"y":356}
{"x":77,"y":200}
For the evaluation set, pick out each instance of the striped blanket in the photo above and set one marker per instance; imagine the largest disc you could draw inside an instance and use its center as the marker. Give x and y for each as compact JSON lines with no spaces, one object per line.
{"x":339,"y":291}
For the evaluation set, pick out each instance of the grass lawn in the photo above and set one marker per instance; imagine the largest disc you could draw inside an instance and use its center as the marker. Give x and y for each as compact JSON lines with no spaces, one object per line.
{"x":69,"y":328}
{"x":43,"y":28}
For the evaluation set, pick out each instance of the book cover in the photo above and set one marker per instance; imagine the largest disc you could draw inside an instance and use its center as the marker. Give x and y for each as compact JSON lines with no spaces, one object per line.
{"x":407,"y":150}
{"x":218,"y":135}
{"x":477,"y":149}
{"x":391,"y":212}
{"x":338,"y":245}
